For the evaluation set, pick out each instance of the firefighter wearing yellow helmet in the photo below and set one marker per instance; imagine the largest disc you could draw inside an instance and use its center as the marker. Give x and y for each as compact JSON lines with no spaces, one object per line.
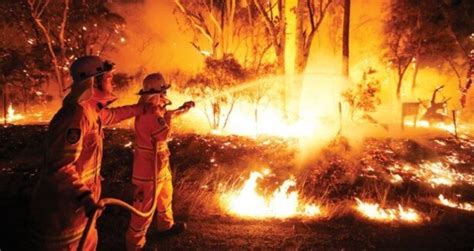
{"x":152,"y":155}
{"x":70,"y":182}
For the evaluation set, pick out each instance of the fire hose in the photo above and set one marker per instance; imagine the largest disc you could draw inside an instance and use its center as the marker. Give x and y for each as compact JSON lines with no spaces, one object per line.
{"x":116,"y":202}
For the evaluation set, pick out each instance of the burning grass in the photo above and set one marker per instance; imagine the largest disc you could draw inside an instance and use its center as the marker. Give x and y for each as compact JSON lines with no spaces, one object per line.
{"x":391,"y":179}
{"x":246,"y":201}
{"x":450,"y":203}
{"x":374,"y":211}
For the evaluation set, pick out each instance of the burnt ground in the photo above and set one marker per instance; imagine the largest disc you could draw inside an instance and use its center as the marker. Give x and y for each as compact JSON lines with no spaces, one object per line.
{"x":203,"y":164}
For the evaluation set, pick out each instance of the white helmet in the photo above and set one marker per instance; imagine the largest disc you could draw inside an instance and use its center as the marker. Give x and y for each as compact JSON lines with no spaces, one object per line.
{"x":154,"y":84}
{"x":85,"y":68}
{"x":89,"y":66}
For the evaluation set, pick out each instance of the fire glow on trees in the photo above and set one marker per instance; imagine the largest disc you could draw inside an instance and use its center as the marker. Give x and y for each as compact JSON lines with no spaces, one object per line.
{"x":246,"y":202}
{"x":374,"y":211}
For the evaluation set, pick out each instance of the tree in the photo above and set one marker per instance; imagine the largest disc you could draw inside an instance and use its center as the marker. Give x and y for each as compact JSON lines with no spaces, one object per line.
{"x":70,"y":29}
{"x":37,"y":9}
{"x":419,"y":33}
{"x":458,"y":15}
{"x":309,"y":14}
{"x":364,"y":98}
{"x":260,"y":87}
{"x":212,"y":20}
{"x":273,"y":14}
{"x":215,"y":84}
{"x":22,"y":65}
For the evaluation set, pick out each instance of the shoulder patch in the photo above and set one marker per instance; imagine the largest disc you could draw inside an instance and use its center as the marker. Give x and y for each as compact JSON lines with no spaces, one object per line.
{"x":161,"y":121}
{"x":73,"y":135}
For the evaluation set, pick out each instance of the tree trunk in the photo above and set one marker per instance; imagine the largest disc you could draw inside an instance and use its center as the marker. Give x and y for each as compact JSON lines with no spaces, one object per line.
{"x":216,"y":113}
{"x":345,"y":38}
{"x":5,"y":104}
{"x":256,"y":118}
{"x":228,"y":114}
{"x":415,"y":75}
{"x":401,"y":72}
{"x":57,"y":63}
{"x":280,"y":55}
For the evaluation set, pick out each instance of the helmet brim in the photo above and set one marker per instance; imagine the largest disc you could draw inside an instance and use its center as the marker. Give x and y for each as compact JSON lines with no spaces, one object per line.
{"x":153,"y":91}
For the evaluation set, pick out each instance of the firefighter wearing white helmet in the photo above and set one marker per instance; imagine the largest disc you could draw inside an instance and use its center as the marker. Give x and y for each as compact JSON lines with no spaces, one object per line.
{"x":70,"y":182}
{"x":152,"y":155}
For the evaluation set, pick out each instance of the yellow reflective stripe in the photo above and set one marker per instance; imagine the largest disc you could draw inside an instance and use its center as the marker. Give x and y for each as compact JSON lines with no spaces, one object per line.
{"x":73,"y":155}
{"x":139,"y":230}
{"x":91,"y":173}
{"x":167,"y":209}
{"x":67,"y":237}
{"x":149,"y":179}
{"x":72,"y":148}
{"x":71,"y":152}
{"x":160,"y":147}
{"x":159,"y":131}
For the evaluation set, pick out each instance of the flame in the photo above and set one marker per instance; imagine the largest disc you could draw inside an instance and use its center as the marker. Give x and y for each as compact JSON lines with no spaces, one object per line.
{"x":375,"y":212}
{"x":246,"y":202}
{"x":434,"y":174}
{"x":271,"y":122}
{"x":425,"y":124}
{"x":395,"y":179}
{"x":12,"y":115}
{"x":464,"y":206}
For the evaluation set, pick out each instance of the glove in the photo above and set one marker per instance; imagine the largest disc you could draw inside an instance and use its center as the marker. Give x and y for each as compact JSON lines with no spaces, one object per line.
{"x":90,"y":205}
{"x":187,"y":105}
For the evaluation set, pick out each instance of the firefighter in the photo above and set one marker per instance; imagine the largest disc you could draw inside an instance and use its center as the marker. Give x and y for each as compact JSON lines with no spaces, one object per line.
{"x":70,"y":183}
{"x":152,"y":155}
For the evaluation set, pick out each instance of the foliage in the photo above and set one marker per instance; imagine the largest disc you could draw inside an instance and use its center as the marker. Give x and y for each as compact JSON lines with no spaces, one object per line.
{"x":426,"y":33}
{"x":364,"y":98}
{"x":31,"y":56}
{"x":94,"y":28}
{"x":216,"y":83}
{"x":23,"y":78}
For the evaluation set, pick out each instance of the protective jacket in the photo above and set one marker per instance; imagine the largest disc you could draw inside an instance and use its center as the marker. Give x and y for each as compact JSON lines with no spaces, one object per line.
{"x":72,"y":171}
{"x":151,"y":155}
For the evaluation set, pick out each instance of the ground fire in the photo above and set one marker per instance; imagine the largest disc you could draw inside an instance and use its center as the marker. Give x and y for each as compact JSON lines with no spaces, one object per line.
{"x":263,"y":124}
{"x":281,"y":203}
{"x":375,"y":212}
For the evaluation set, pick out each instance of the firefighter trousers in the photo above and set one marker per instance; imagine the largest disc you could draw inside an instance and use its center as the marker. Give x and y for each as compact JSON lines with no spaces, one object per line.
{"x":143,"y":200}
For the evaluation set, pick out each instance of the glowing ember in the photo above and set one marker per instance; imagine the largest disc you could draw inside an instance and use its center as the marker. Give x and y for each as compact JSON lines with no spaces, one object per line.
{"x":395,"y":179}
{"x":246,"y":202}
{"x":464,"y":206}
{"x":375,"y":212}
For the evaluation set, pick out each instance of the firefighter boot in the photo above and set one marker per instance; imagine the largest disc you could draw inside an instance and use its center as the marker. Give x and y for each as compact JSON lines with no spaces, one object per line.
{"x":177,"y":228}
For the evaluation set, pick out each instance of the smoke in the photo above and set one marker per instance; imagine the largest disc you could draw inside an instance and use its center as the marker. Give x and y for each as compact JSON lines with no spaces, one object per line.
{"x":155,"y":40}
